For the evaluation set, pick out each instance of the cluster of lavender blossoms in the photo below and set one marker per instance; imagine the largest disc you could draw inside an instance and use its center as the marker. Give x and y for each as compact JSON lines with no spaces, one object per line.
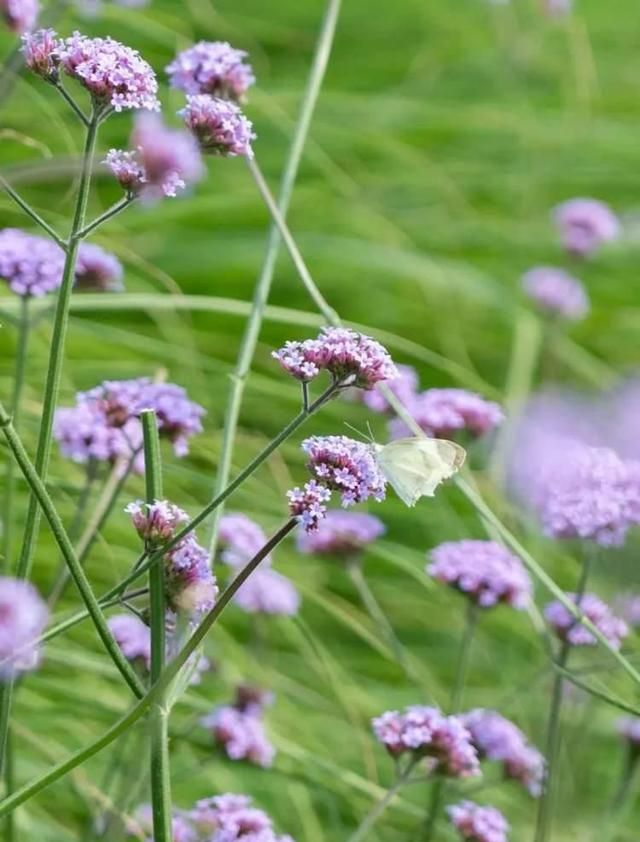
{"x":484,"y":571}
{"x":341,"y":533}
{"x":425,"y":732}
{"x":212,"y":67}
{"x":32,"y":266}
{"x":222,"y":818}
{"x":573,"y":632}
{"x":104,"y":424}
{"x":266,"y":591}
{"x":23,"y":616}
{"x":219,"y":126}
{"x":19,"y":15}
{"x":475,"y":823}
{"x":556,"y":292}
{"x":239,"y":728}
{"x":442,"y":413}
{"x":499,"y":740}
{"x":584,"y":225}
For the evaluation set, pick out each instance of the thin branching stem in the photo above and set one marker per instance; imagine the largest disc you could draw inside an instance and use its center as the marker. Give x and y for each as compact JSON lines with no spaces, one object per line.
{"x":381,"y":806}
{"x":114,"y":210}
{"x":26,"y":207}
{"x":72,"y":103}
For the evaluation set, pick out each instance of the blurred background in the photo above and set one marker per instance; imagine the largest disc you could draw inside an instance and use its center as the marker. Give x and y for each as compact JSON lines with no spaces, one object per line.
{"x":444,"y":135}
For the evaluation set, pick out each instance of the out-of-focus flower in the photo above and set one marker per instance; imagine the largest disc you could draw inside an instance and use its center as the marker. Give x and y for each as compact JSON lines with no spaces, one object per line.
{"x":23,"y":616}
{"x":427,"y":732}
{"x":132,"y":636}
{"x":627,"y":607}
{"x":404,"y":386}
{"x":97,"y":270}
{"x":308,"y":504}
{"x":594,"y":609}
{"x":629,"y":730}
{"x":19,"y":15}
{"x":142,"y":823}
{"x":156,"y":523}
{"x":341,"y":533}
{"x":485,"y":571}
{"x":31,"y":265}
{"x":555,"y":8}
{"x":240,"y":539}
{"x":116,"y":76}
{"x":499,"y":740}
{"x":351,"y":358}
{"x":585,"y":225}
{"x":241,"y":733}
{"x":212,"y":67}
{"x":231,"y":818}
{"x":445,"y":412}
{"x":268,"y":592}
{"x":478,"y":824}
{"x":346,"y":466}
{"x":556,"y":292}
{"x":162,"y":163}
{"x":41,"y":50}
{"x":219,"y":126}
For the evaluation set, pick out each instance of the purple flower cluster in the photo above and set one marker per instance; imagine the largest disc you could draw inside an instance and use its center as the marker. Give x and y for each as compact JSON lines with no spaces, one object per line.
{"x":31,"y":265}
{"x":240,"y":539}
{"x":239,"y":728}
{"x":499,"y":740}
{"x":219,"y":126}
{"x":427,"y":732}
{"x":594,"y":609}
{"x":629,"y":729}
{"x":133,"y":637}
{"x":97,"y":270}
{"x":191,"y":586}
{"x":627,"y":606}
{"x":308,"y":504}
{"x":444,"y":412}
{"x":404,"y":386}
{"x":231,"y":818}
{"x":352,"y":359}
{"x":345,"y":465}
{"x":212,"y":67}
{"x":104,"y":423}
{"x":584,"y":225}
{"x":23,"y":616}
{"x":556,"y":292}
{"x":478,"y":824}
{"x":485,"y":571}
{"x":163,"y":160}
{"x":341,"y":533}
{"x":19,"y":15}
{"x":156,"y":523}
{"x":40,"y":50}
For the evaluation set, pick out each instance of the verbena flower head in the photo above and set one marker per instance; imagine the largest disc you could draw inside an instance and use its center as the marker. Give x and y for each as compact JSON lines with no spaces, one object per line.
{"x":241,"y":733}
{"x":404,"y":386}
{"x":499,"y":740}
{"x":268,"y":592}
{"x":23,"y":616}
{"x":191,"y":586}
{"x":444,"y":412}
{"x":116,"y":76}
{"x":351,"y":358}
{"x":232,"y":818}
{"x":212,"y":67}
{"x":427,"y":732}
{"x":132,"y":636}
{"x":485,"y":571}
{"x":345,"y":465}
{"x":594,"y":609}
{"x":97,"y":270}
{"x":627,"y":607}
{"x":585,"y":224}
{"x":31,"y":265}
{"x":556,"y":292}
{"x":629,"y":729}
{"x":341,"y":533}
{"x":142,"y":823}
{"x":308,"y":504}
{"x":156,"y":523}
{"x":19,"y":15}
{"x":162,"y":163}
{"x":240,"y":539}
{"x":478,"y":824}
{"x":219,"y":126}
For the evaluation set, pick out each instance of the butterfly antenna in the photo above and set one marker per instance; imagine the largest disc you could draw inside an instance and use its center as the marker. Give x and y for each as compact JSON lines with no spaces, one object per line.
{"x":371,"y":436}
{"x":355,"y":430}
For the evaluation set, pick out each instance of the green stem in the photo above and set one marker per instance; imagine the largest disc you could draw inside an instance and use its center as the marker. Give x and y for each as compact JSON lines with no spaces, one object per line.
{"x":114,"y":210}
{"x":545,"y":805}
{"x":72,"y":103}
{"x":263,"y":285}
{"x":18,"y":384}
{"x":378,"y":809}
{"x":171,"y":671}
{"x":159,"y":719}
{"x":26,"y":207}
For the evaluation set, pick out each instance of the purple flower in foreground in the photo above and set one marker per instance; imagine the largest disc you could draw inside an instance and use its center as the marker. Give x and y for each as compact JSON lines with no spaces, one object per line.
{"x":156,"y":523}
{"x":404,"y":386}
{"x":231,"y":818}
{"x":116,"y":76}
{"x":585,"y":224}
{"x":268,"y":592}
{"x":478,"y":824}
{"x":341,"y":533}
{"x":556,"y":292}
{"x":240,"y":539}
{"x":498,"y":739}
{"x":191,"y":586}
{"x":23,"y":616}
{"x":241,"y":733}
{"x":19,"y":15}
{"x":351,"y":358}
{"x":219,"y":125}
{"x":345,"y":465}
{"x":211,"y":67}
{"x":308,"y":504}
{"x":427,"y":732}
{"x":132,"y":636}
{"x":97,"y":270}
{"x":485,"y":571}
{"x":31,"y":265}
{"x":444,"y":412}
{"x":41,"y":50}
{"x":594,"y":609}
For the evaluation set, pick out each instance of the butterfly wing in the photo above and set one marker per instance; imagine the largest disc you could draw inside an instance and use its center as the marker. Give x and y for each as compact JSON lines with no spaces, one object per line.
{"x":416,"y":466}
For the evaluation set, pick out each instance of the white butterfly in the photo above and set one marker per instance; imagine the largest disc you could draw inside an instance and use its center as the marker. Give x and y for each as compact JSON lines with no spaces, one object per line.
{"x":416,"y":466}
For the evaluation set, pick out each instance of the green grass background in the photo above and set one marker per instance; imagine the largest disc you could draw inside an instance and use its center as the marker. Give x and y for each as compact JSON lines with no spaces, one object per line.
{"x":444,"y":134}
